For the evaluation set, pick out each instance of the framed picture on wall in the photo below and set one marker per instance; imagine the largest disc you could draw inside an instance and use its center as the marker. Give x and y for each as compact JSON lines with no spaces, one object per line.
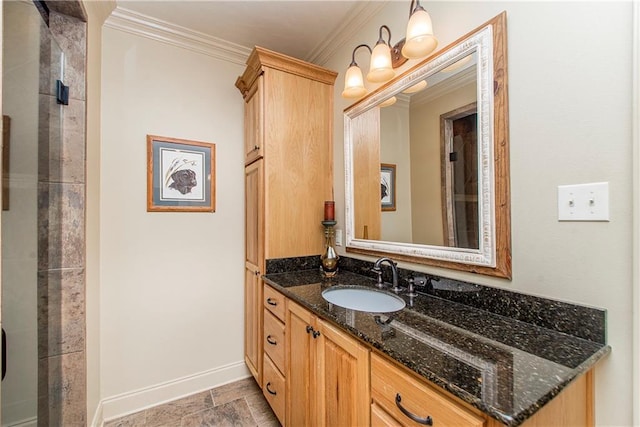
{"x":388,"y":186}
{"x":180,"y":175}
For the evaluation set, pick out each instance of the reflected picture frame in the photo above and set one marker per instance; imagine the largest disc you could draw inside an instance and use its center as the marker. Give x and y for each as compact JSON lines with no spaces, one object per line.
{"x":388,"y":186}
{"x":180,"y":175}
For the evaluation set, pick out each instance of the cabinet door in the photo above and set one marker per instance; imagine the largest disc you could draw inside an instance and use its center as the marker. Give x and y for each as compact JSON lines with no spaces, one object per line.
{"x":254,"y":261}
{"x":252,"y":321}
{"x":253,"y":122}
{"x":300,"y":375}
{"x":342,"y":378}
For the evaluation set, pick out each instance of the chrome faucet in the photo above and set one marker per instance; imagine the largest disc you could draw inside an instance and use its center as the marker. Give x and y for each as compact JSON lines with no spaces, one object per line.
{"x":394,"y":271}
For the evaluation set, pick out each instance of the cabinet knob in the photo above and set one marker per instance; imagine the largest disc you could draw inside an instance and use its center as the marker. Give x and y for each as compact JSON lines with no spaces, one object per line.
{"x":309,"y":328}
{"x":316,"y":334}
{"x":256,"y":147}
{"x":257,"y":273}
{"x":428,"y":421}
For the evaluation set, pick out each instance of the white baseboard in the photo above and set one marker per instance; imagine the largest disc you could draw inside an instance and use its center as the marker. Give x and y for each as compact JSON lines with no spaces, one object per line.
{"x":138,"y":400}
{"x":98,"y":419}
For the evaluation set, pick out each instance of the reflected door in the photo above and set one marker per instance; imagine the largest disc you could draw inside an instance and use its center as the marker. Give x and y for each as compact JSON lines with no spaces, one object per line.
{"x":29,"y":119}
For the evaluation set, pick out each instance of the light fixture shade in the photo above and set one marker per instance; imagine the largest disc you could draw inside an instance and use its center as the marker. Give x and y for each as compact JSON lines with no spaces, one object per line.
{"x":420,"y":40}
{"x":353,"y":83}
{"x":388,"y":102}
{"x":416,"y":87}
{"x":380,"y":69}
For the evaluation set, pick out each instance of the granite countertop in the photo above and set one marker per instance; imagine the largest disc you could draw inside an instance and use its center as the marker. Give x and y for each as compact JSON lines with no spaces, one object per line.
{"x":505,"y":367}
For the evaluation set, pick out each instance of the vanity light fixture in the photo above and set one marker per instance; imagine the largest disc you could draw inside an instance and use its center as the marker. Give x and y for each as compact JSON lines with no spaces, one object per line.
{"x":418,"y":43}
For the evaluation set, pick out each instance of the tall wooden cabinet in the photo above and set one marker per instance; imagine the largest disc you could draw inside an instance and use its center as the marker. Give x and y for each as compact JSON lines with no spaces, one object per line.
{"x":289,"y":174}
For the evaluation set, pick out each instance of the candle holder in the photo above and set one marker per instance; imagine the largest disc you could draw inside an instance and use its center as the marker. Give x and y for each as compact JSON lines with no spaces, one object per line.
{"x":329,"y":258}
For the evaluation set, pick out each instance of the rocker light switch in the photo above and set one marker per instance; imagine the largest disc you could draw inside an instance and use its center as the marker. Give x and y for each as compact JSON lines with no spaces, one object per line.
{"x":583,"y":202}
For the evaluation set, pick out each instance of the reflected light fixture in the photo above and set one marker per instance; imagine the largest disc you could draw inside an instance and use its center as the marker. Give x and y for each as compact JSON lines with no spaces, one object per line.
{"x":387,"y":102}
{"x":422,"y":84}
{"x":418,"y":43}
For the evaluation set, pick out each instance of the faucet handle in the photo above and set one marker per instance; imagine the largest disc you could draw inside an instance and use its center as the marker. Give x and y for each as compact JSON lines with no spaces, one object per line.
{"x":378,"y":271}
{"x":411,"y":290}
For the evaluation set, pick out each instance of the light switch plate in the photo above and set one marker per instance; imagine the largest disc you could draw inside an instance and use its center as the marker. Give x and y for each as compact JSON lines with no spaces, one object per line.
{"x":583,"y":202}
{"x":338,"y":237}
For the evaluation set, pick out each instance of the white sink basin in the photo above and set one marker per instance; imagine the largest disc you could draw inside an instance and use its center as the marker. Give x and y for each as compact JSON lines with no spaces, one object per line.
{"x":364,"y":299}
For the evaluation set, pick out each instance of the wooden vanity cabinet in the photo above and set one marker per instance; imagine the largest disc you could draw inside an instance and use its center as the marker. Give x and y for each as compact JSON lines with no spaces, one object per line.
{"x":572,"y":407}
{"x":288,"y":114}
{"x":327,"y":375}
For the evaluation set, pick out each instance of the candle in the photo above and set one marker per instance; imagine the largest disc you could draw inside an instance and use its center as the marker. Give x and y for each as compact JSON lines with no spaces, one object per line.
{"x":329,"y":211}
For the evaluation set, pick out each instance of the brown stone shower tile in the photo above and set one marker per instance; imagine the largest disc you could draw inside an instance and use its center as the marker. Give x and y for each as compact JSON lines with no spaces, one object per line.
{"x":61,"y":325}
{"x":62,"y":390}
{"x":61,"y":150}
{"x":70,"y":34}
{"x":60,"y":226}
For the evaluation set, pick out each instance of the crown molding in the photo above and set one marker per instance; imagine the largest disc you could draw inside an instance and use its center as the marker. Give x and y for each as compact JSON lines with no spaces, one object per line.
{"x":357,"y":18}
{"x":165,"y":32}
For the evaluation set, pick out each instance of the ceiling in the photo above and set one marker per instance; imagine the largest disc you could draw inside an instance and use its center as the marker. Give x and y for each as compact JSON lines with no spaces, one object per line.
{"x":299,"y":28}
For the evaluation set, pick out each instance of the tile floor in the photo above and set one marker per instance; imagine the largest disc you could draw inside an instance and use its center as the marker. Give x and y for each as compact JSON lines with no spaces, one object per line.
{"x":236,"y":404}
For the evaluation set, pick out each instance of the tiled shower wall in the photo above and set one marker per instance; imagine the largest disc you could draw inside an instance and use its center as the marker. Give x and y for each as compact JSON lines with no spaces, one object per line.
{"x":61,"y":225}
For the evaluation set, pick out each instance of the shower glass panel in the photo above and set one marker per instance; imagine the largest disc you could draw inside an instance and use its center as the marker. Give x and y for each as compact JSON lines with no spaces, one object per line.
{"x":31,"y":66}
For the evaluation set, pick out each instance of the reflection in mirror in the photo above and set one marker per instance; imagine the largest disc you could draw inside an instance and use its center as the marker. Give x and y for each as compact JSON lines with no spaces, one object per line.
{"x":436,"y":126}
{"x":430,"y":135}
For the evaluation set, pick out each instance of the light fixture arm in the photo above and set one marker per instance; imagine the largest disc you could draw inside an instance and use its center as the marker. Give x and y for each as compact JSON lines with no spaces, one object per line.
{"x":417,"y":7}
{"x":353,"y":54}
{"x":380,"y":39}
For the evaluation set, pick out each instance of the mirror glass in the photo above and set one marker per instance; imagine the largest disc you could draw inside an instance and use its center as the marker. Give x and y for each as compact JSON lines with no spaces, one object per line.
{"x":422,"y":170}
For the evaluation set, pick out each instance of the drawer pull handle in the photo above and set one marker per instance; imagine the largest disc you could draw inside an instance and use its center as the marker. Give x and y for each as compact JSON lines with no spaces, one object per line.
{"x":271,"y":340}
{"x":271,"y":302}
{"x":269,"y":390}
{"x":426,"y":421}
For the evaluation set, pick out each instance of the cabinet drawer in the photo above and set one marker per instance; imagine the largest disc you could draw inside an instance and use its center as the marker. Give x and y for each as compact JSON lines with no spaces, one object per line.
{"x":417,"y":398}
{"x":274,"y":388}
{"x":273,"y":343}
{"x":380,"y":418}
{"x":274,"y":301}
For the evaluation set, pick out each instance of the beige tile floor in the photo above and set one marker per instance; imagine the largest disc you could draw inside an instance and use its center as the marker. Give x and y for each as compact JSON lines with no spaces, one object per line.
{"x":236,"y":404}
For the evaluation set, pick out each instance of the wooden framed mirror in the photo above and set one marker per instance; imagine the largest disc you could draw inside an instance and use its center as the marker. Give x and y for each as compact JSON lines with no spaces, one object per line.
{"x":444,"y":125}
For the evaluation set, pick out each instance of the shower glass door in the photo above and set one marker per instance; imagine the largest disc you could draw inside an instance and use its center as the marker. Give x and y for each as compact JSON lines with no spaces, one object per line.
{"x":31,"y":64}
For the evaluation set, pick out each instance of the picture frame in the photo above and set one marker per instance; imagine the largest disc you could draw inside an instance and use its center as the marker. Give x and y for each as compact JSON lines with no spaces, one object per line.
{"x":180,"y":175}
{"x":388,"y":186}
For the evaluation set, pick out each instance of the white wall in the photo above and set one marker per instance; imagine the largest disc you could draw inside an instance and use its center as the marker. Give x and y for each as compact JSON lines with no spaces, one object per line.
{"x":570,"y":103}
{"x":426,"y":170}
{"x":97,"y":12}
{"x":395,"y":149}
{"x":171,"y":283}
